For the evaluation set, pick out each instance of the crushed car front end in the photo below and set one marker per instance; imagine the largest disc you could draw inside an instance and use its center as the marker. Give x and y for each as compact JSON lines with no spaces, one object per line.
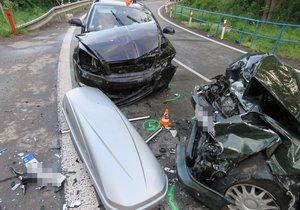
{"x":249,"y":157}
{"x":127,"y":60}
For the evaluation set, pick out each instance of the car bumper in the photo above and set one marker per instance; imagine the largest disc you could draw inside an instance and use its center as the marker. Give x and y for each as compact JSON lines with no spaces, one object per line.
{"x":126,"y":88}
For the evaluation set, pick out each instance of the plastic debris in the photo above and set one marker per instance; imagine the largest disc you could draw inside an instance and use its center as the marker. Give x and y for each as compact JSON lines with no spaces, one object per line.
{"x":57,"y":155}
{"x":174,"y":133}
{"x":15,"y":186}
{"x":172,"y":151}
{"x":63,"y":131}
{"x":172,"y":171}
{"x":151,"y":136}
{"x":139,"y":118}
{"x":75,"y":204}
{"x":21,"y":154}
{"x":42,"y":176}
{"x":3,"y":150}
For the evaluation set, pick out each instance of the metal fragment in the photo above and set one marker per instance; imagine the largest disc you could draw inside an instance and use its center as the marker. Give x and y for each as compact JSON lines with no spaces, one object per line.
{"x":151,"y":136}
{"x":139,"y":118}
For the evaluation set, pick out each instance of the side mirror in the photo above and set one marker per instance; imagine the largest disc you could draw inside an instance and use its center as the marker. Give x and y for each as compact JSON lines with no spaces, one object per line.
{"x":169,"y":30}
{"x":76,"y":22}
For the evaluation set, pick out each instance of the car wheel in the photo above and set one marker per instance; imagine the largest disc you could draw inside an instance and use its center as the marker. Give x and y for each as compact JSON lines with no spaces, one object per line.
{"x":254,"y":194}
{"x":252,"y":186}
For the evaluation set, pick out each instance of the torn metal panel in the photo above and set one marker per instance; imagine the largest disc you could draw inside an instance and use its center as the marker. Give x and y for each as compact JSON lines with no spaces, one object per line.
{"x":255,"y":135}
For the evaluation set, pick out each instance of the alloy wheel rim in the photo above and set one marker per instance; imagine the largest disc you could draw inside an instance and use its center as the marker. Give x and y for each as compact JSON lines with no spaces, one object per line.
{"x":250,"y":197}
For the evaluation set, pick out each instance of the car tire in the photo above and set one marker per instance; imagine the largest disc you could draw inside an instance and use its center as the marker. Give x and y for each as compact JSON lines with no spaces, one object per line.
{"x":251,"y":186}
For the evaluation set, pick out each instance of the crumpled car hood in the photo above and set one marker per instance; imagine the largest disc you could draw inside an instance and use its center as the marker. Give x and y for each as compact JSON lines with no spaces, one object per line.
{"x":282,"y":81}
{"x":241,"y":136}
{"x":122,"y":43}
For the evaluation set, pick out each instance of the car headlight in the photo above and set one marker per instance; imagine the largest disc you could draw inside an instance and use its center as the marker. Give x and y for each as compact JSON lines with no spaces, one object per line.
{"x":89,"y":63}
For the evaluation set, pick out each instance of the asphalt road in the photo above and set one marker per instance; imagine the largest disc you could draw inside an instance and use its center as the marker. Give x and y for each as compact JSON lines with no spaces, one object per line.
{"x":29,"y":120}
{"x":28,"y":74}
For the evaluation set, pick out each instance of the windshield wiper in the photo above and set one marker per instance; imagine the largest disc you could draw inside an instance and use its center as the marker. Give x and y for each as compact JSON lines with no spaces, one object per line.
{"x":131,"y":18}
{"x":117,"y":18}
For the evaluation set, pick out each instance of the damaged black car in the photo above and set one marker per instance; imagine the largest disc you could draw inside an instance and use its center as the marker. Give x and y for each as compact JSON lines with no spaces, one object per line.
{"x":244,"y":148}
{"x":123,"y":51}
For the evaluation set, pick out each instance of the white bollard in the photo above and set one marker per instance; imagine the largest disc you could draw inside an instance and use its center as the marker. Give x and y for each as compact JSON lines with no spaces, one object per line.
{"x":223,"y":29}
{"x":171,"y":12}
{"x":62,"y":2}
{"x":191,"y":17}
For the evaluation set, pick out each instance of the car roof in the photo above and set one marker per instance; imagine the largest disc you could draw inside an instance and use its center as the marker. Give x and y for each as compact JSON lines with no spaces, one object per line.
{"x":116,"y":3}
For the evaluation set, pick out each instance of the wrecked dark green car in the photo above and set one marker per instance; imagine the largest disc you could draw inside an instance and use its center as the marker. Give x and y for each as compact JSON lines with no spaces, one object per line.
{"x":244,"y":148}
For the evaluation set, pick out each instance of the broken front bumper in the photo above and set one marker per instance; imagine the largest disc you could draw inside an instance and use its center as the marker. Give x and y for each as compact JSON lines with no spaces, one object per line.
{"x":201,"y":192}
{"x":126,"y":88}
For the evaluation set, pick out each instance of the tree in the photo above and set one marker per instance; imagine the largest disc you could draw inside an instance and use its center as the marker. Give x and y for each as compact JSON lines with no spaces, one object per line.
{"x":269,"y":9}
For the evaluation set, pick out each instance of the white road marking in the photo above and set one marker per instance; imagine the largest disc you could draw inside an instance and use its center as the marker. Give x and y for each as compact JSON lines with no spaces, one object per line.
{"x":214,"y":41}
{"x":78,"y":185}
{"x":192,"y":70}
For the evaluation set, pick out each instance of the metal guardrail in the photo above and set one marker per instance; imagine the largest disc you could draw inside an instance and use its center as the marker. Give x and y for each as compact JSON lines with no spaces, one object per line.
{"x":187,"y":13}
{"x":44,"y":19}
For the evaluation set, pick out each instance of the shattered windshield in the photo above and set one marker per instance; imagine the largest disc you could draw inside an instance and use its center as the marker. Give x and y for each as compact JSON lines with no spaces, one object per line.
{"x":105,"y":17}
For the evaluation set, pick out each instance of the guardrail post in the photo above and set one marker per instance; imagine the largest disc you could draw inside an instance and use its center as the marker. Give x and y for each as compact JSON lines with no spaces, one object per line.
{"x":11,"y":22}
{"x":217,"y":29}
{"x":255,"y":32}
{"x":243,"y":30}
{"x":278,"y":39}
{"x":191,"y":17}
{"x":224,"y":28}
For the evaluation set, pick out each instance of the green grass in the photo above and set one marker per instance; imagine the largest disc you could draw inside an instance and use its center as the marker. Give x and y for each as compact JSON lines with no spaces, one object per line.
{"x":209,"y":24}
{"x":20,"y":17}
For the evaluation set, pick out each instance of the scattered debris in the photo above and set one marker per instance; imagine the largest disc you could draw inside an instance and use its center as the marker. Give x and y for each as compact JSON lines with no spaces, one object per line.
{"x":139,"y":118}
{"x":65,"y":207}
{"x":23,"y":109}
{"x":21,"y":154}
{"x":57,"y":189}
{"x":56,"y":147}
{"x":15,"y":186}
{"x":172,"y":151}
{"x":176,"y":97}
{"x":75,"y":204}
{"x":3,"y":150}
{"x":152,"y":135}
{"x":64,"y":131}
{"x":57,"y":155}
{"x":174,"y":133}
{"x":172,"y":171}
{"x":162,"y":150}
{"x":38,"y":174}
